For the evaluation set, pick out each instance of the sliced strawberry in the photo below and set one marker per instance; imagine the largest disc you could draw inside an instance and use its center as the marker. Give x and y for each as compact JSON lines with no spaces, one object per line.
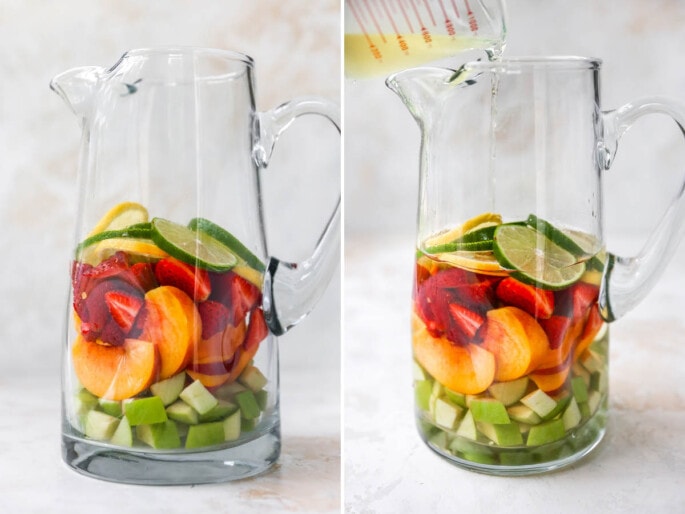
{"x":236,"y":293}
{"x":124,"y":308}
{"x":84,"y":276}
{"x":112,"y":334}
{"x":144,"y":273}
{"x":465,"y":324}
{"x":556,"y":327}
{"x":215,"y":316}
{"x":576,"y":301}
{"x":189,"y":279}
{"x":257,"y":330}
{"x":537,"y":302}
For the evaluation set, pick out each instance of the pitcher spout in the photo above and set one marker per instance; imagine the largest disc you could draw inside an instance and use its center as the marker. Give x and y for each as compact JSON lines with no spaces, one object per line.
{"x":76,"y":87}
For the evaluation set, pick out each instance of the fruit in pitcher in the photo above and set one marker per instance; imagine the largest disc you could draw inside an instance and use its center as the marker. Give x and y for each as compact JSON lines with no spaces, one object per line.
{"x":191,"y":280}
{"x":115,"y":372}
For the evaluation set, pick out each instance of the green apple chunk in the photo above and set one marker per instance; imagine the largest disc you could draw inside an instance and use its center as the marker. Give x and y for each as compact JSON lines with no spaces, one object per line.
{"x":502,"y":435}
{"x":523,"y":414}
{"x":599,"y":381}
{"x":593,"y":400}
{"x":170,"y":389}
{"x":540,"y":402}
{"x":546,"y":432}
{"x":247,"y":424}
{"x":252,"y":378}
{"x":160,"y":435}
{"x":455,"y":398}
{"x":262,"y":399}
{"x":232,"y":427}
{"x":111,"y":407}
{"x":123,"y":436}
{"x":84,"y":401}
{"x":205,"y":434}
{"x":572,"y":415}
{"x":592,"y":361}
{"x":509,"y":392}
{"x":439,"y":439}
{"x":558,"y":408}
{"x":467,"y":427}
{"x":447,"y":414}
{"x":219,"y":412}
{"x":197,"y":396}
{"x":422,"y":392}
{"x":229,"y":390}
{"x":248,"y":404}
{"x":100,"y":426}
{"x":418,"y":372}
{"x":489,"y":411}
{"x":146,"y":411}
{"x":579,"y":388}
{"x":183,"y":413}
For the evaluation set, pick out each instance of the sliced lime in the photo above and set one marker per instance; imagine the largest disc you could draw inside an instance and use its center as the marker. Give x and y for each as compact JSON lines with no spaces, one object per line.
{"x":228,"y":239}
{"x":451,"y":235}
{"x":534,"y":258}
{"x":138,"y":230}
{"x":192,"y":246}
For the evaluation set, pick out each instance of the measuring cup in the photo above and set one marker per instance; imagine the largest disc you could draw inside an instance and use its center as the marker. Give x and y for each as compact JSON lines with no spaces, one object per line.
{"x":514,"y":288}
{"x":170,"y":362}
{"x":382,"y":36}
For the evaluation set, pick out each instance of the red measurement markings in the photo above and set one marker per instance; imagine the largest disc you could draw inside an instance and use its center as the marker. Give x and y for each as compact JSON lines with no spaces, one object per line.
{"x":374,"y":20}
{"x":473,"y":23}
{"x":430,"y":13}
{"x":424,"y":31}
{"x":400,"y":40}
{"x":448,"y":23}
{"x":375,"y":51}
{"x":406,"y":18}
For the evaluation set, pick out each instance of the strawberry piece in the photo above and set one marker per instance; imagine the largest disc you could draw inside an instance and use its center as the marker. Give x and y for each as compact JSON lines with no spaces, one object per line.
{"x":189,"y":279}
{"x":85,"y":277}
{"x":465,"y":321}
{"x":112,"y":334}
{"x":215,"y":317}
{"x":556,"y":327}
{"x":144,"y":273}
{"x":236,"y":293}
{"x":257,"y":330}
{"x":537,"y":302}
{"x":576,"y":301}
{"x":124,"y":308}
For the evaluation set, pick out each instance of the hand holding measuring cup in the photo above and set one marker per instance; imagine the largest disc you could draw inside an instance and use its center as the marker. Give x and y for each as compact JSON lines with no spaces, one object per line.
{"x":383,"y":36}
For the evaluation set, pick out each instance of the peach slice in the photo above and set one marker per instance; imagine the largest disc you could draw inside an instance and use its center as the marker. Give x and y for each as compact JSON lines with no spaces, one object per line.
{"x":551,"y":379}
{"x":592,"y":327}
{"x":115,"y":372}
{"x":554,"y":357}
{"x":172,"y":322}
{"x":209,"y":381}
{"x":516,"y":340}
{"x":467,"y":370}
{"x":219,"y":347}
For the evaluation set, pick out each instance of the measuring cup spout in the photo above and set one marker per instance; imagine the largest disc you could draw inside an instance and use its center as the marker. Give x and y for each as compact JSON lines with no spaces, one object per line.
{"x":419,"y":88}
{"x":76,"y":87}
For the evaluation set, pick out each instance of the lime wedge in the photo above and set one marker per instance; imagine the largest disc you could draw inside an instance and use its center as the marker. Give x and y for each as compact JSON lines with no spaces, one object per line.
{"x":534,"y":258}
{"x":192,"y":247}
{"x":120,"y":216}
{"x":228,"y":239}
{"x":139,"y":230}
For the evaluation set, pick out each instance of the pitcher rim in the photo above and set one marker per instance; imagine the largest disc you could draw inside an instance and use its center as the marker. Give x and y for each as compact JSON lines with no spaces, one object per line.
{"x":181,"y":49}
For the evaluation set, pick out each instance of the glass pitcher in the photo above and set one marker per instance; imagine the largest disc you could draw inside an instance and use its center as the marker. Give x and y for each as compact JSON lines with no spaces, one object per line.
{"x":170,"y":364}
{"x":513,"y":286}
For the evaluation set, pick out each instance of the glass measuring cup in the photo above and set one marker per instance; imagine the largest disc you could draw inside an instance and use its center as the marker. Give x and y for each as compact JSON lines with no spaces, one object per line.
{"x":170,"y":361}
{"x":514,"y":289}
{"x":382,"y":36}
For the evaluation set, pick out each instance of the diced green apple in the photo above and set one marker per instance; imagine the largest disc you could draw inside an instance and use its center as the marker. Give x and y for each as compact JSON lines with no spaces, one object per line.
{"x":262,"y":399}
{"x":467,"y":427}
{"x":540,"y":402}
{"x":502,"y":435}
{"x":579,"y":388}
{"x":182,"y":412}
{"x":169,"y":390}
{"x":146,"y":411}
{"x":439,"y":439}
{"x":205,"y":434}
{"x":100,"y":426}
{"x":198,"y":397}
{"x":455,"y":398}
{"x":509,"y":392}
{"x":546,"y":432}
{"x":523,"y":414}
{"x":252,"y":378}
{"x":248,"y":405}
{"x":558,"y":409}
{"x":593,"y":401}
{"x":489,"y":411}
{"x":84,"y":401}
{"x":111,"y":407}
{"x":232,"y":427}
{"x":599,"y":381}
{"x":436,"y":393}
{"x":123,"y":436}
{"x":446,"y":414}
{"x":229,"y":390}
{"x":418,"y":372}
{"x":219,"y":412}
{"x":422,"y":392}
{"x":160,"y":435}
{"x":592,"y":361}
{"x":247,"y":424}
{"x":572,"y":415}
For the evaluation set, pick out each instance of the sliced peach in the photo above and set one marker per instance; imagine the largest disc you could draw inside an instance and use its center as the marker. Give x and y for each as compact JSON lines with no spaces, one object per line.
{"x":172,"y":322}
{"x":209,"y":380}
{"x":558,"y":356}
{"x":550,"y":379}
{"x":592,"y":327}
{"x":464,"y":369}
{"x":220,"y":346}
{"x":115,"y":372}
{"x":516,"y":340}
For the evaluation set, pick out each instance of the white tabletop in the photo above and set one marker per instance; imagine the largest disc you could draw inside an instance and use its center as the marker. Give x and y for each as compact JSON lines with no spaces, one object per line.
{"x":639,"y":467}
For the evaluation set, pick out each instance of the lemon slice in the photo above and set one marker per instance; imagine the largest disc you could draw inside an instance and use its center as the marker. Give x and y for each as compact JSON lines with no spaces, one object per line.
{"x":457,"y":232}
{"x":143,"y":249}
{"x":120,"y":216}
{"x":479,"y":262}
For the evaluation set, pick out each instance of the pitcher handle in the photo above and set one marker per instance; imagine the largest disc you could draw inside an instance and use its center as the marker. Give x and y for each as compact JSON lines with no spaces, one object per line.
{"x":627,"y":280}
{"x":292,"y":289}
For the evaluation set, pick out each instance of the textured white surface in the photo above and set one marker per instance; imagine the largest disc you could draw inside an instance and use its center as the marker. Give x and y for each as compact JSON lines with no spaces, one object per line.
{"x":639,"y":467}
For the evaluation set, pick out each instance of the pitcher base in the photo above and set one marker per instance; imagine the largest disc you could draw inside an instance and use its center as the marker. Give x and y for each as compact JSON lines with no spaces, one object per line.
{"x":125,"y":465}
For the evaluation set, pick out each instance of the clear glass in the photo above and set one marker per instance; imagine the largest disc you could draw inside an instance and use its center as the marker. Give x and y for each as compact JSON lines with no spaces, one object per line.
{"x":513,"y":286}
{"x":170,"y":361}
{"x":383,"y":36}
